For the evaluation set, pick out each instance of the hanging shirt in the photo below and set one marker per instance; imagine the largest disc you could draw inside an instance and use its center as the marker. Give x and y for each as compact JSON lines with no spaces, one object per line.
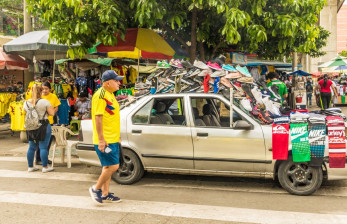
{"x":63,"y":112}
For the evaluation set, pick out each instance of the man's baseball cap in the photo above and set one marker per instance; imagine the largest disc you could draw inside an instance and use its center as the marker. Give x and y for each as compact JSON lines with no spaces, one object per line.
{"x":109,"y":75}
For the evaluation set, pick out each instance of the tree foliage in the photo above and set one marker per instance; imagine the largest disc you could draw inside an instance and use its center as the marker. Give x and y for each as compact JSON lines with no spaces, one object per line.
{"x":343,"y":53}
{"x":267,"y":27}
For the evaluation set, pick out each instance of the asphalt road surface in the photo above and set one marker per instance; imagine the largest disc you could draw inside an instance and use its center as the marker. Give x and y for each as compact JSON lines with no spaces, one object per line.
{"x":62,"y":197}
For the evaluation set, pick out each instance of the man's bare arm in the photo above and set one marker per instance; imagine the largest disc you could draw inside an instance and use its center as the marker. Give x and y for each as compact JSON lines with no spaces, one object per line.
{"x":99,"y":130}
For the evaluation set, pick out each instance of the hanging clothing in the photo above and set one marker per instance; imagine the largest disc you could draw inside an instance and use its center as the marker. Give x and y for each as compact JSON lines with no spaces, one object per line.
{"x":280,"y":141}
{"x":66,"y":90}
{"x":133,"y":75}
{"x":300,"y":145}
{"x":316,"y":137}
{"x":337,"y":142}
{"x":17,"y":113}
{"x":63,"y":112}
{"x":5,"y":100}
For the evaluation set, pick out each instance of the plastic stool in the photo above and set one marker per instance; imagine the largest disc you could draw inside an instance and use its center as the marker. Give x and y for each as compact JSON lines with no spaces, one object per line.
{"x":75,"y":126}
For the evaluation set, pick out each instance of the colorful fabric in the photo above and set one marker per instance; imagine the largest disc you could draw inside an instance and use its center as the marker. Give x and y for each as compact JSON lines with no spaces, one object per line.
{"x":280,"y":141}
{"x":337,"y":142}
{"x":316,"y":138}
{"x":63,"y":112}
{"x":104,"y":103}
{"x":17,"y":113}
{"x":300,"y":144}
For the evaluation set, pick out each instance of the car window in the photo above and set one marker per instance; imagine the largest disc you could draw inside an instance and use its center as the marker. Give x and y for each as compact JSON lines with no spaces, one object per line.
{"x":212,"y":112}
{"x":168,"y":111}
{"x":142,"y":116}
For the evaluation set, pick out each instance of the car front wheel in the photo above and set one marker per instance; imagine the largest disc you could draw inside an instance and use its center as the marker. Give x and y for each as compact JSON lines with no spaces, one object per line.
{"x":299,"y":178}
{"x":131,"y":170}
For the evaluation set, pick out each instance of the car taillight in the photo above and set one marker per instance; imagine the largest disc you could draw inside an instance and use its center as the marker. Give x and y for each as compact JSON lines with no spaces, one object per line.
{"x":80,"y":136}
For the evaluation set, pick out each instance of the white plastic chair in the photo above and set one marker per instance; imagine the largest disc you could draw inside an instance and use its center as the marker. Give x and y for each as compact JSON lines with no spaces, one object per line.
{"x":60,"y":142}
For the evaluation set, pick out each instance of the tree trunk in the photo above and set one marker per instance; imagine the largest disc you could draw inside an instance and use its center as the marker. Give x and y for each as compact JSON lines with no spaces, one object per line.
{"x":193,"y":38}
{"x":202,"y":51}
{"x":216,"y":48}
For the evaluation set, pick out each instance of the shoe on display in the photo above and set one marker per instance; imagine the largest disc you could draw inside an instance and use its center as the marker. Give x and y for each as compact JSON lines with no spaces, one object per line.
{"x":201,"y":65}
{"x":217,"y":74}
{"x":247,"y":89}
{"x":274,"y":89}
{"x":48,"y":169}
{"x":243,"y":71}
{"x":257,"y":95}
{"x":163,"y":64}
{"x":225,"y":82}
{"x":194,"y":72}
{"x":245,"y":79}
{"x":204,"y":73}
{"x":233,"y":75}
{"x":186,"y":64}
{"x":246,"y":104}
{"x":214,"y":66}
{"x":216,"y":85}
{"x":110,"y":198}
{"x":206,"y":83}
{"x":176,"y":63}
{"x":33,"y":169}
{"x":229,"y":68}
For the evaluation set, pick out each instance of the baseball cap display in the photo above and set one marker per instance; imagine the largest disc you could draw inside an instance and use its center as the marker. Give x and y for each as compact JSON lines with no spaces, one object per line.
{"x":111,"y":75}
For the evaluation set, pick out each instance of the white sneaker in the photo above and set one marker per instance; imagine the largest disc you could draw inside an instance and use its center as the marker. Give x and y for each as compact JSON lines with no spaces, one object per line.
{"x":48,"y":169}
{"x":32,"y":169}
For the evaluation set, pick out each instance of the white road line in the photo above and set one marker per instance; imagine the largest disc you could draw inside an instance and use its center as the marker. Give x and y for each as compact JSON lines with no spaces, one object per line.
{"x":173,"y":209}
{"x":12,"y":159}
{"x":50,"y":176}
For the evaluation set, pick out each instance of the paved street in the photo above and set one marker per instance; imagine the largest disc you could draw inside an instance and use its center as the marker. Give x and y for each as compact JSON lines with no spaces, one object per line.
{"x":62,"y":197}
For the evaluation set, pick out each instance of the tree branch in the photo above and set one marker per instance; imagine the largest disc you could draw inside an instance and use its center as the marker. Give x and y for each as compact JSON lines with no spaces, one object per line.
{"x":216,"y":48}
{"x":174,"y":35}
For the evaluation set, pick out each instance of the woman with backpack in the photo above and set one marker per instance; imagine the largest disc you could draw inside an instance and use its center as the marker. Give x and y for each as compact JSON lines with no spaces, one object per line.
{"x":39,"y":134}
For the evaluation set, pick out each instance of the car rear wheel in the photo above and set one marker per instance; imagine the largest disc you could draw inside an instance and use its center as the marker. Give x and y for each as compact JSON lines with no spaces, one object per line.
{"x":299,"y":178}
{"x":131,"y":171}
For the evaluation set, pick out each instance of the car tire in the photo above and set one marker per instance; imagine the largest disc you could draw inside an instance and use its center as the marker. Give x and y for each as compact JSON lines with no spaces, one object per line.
{"x":131,"y":171}
{"x":299,"y":178}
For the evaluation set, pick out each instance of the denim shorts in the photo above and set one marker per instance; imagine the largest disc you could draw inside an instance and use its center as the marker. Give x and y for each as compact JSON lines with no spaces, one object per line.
{"x":111,"y":158}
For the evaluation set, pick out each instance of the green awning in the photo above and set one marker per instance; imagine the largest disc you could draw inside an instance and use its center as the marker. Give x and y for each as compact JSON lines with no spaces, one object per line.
{"x":100,"y":61}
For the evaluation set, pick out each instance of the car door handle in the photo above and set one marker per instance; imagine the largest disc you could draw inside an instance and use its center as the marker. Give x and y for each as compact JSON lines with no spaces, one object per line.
{"x":202,"y":134}
{"x":136,"y":131}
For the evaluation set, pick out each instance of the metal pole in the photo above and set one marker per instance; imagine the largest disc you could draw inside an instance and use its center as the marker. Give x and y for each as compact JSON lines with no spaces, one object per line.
{"x":138,"y":66}
{"x":231,"y":107}
{"x":53,"y":69}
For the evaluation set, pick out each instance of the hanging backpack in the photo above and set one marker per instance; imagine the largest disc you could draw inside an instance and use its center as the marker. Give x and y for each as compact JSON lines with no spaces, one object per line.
{"x":32,"y":119}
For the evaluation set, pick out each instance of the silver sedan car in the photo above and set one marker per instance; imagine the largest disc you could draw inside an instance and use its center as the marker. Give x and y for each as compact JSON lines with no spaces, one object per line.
{"x":193,"y":134}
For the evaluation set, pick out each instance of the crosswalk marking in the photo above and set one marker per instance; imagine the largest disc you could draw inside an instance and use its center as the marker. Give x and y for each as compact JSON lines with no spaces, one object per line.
{"x":50,"y":176}
{"x":172,"y":209}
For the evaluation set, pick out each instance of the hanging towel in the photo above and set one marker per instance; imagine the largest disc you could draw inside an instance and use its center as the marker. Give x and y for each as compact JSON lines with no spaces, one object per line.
{"x":300,"y":145}
{"x":337,"y":143}
{"x":316,"y":138}
{"x":280,"y":141}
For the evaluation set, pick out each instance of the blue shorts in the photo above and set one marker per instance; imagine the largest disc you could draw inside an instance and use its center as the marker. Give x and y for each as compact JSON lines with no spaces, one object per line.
{"x":111,"y":158}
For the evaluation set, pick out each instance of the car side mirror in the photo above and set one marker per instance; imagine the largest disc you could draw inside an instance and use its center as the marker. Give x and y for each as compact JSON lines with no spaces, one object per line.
{"x":242,"y":125}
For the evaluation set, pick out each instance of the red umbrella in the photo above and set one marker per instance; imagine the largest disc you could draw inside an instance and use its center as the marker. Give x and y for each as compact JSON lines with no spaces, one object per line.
{"x":12,"y":62}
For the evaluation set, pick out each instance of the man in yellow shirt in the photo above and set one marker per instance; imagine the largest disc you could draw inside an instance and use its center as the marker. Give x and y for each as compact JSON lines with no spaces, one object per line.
{"x":106,"y":135}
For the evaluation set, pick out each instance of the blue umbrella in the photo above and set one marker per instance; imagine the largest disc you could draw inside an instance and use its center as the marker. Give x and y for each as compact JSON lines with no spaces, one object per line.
{"x":300,"y":73}
{"x":341,"y":67}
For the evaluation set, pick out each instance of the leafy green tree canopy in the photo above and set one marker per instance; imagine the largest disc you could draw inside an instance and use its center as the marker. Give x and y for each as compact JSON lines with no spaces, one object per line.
{"x":267,"y":27}
{"x":343,"y":53}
